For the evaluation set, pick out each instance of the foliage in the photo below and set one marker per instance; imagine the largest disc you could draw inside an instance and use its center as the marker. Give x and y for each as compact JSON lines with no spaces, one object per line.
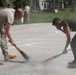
{"x":21,"y":3}
{"x":3,"y":3}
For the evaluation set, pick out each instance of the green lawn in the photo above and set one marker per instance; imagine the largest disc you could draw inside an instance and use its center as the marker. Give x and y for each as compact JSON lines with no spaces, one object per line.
{"x":46,"y":17}
{"x":40,"y":17}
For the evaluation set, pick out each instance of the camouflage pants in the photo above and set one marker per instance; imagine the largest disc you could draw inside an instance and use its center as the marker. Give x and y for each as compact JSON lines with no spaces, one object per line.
{"x":73,"y":46}
{"x":3,"y":42}
{"x":26,"y":18}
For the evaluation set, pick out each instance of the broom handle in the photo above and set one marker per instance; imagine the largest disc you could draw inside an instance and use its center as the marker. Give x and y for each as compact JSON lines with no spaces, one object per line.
{"x":22,"y":52}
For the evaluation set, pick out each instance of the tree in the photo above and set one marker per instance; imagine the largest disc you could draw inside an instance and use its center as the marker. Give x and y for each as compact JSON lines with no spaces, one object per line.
{"x":74,"y":4}
{"x":17,"y":3}
{"x":3,"y":3}
{"x":21,"y":3}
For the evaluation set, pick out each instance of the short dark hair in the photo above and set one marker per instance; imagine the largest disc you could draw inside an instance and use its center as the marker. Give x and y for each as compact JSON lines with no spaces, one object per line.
{"x":55,"y":20}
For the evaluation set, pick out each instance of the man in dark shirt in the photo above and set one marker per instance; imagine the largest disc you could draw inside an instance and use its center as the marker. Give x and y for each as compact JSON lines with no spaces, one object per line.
{"x":66,"y":26}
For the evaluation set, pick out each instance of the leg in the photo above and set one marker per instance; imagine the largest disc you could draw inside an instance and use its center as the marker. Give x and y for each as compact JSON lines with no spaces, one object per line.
{"x":73,"y":47}
{"x":1,"y":63}
{"x":24,"y":17}
{"x":28,"y":20}
{"x":4,"y":48}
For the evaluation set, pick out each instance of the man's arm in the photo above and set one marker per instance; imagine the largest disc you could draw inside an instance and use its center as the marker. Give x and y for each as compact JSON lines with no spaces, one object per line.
{"x":67,"y":32}
{"x":8,"y":34}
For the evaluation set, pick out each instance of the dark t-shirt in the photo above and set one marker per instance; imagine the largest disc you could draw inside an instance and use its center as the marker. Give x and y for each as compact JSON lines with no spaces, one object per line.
{"x":69,"y":22}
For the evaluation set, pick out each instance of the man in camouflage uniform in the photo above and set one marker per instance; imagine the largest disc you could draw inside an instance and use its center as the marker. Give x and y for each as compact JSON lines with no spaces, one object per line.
{"x":27,"y":14}
{"x":7,"y":16}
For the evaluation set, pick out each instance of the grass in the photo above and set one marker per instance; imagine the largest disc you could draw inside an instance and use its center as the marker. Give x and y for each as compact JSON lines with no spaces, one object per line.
{"x":47,"y":17}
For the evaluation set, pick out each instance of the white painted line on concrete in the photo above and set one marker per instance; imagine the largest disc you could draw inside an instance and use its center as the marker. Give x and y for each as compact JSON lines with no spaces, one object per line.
{"x":39,"y":44}
{"x":34,"y":44}
{"x":22,"y":45}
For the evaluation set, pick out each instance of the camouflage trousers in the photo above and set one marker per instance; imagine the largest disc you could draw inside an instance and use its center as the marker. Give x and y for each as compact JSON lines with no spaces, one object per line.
{"x":3,"y":42}
{"x":73,"y":46}
{"x":26,"y":19}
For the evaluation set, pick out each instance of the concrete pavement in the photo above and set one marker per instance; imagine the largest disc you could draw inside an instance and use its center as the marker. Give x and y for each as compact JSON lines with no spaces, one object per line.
{"x":40,"y":41}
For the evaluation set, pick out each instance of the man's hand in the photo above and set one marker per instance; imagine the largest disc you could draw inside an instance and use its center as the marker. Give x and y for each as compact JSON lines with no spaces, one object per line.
{"x":12,"y":42}
{"x":64,"y":51}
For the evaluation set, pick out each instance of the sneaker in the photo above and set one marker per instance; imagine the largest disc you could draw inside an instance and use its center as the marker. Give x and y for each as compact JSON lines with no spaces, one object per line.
{"x":7,"y":57}
{"x":72,"y":64}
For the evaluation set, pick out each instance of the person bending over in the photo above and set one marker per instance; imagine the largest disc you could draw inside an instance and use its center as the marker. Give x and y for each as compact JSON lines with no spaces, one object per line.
{"x":7,"y":16}
{"x":66,"y":26}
